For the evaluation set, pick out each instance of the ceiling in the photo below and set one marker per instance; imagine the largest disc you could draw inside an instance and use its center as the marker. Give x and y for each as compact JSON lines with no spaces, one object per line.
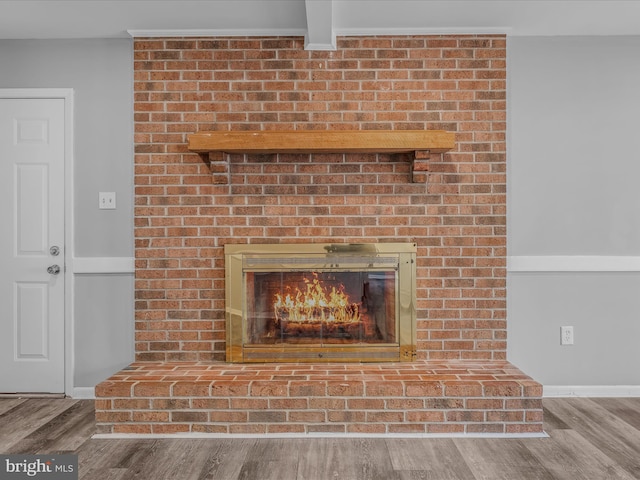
{"x":319,"y":20}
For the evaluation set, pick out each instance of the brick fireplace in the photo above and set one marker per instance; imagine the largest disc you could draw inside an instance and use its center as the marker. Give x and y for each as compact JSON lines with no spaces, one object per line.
{"x":188,"y":206}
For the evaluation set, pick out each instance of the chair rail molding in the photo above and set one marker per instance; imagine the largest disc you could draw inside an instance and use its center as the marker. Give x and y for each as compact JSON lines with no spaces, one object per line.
{"x":573,"y":263}
{"x":102,"y":265}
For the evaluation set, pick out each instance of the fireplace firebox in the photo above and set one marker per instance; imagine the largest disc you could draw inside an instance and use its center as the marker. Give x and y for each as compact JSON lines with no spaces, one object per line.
{"x":320,"y":302}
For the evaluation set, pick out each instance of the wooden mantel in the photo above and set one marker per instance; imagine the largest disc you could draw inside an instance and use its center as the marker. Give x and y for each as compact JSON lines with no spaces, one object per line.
{"x":421,"y":142}
{"x":322,"y":141}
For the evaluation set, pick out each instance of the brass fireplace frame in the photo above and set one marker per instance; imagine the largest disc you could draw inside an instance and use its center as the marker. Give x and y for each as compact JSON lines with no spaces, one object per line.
{"x":241,"y":258}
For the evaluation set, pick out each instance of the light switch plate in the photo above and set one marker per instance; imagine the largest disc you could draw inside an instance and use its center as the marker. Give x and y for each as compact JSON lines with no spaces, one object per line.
{"x":107,"y":200}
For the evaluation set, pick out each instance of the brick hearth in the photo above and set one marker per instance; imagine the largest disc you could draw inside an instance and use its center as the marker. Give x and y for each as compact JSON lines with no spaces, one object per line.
{"x":420,"y":397}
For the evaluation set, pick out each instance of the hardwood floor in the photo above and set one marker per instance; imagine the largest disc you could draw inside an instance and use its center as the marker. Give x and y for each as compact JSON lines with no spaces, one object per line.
{"x":588,"y":439}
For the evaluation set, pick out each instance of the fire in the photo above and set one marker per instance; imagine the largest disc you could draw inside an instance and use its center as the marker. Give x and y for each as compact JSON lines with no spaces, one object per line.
{"x":317,"y":304}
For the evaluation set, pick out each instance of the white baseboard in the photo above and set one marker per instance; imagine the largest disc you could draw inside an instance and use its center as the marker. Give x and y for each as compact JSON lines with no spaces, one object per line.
{"x":83,"y":393}
{"x":551,"y":391}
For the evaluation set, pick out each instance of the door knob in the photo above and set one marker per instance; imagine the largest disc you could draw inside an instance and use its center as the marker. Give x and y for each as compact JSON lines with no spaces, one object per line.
{"x":53,"y":269}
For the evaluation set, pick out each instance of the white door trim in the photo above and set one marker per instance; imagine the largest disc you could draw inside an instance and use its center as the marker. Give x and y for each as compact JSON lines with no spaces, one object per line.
{"x":67,"y":94}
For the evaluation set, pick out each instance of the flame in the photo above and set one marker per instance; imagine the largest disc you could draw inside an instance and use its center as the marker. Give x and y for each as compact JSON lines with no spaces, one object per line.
{"x":317,"y":304}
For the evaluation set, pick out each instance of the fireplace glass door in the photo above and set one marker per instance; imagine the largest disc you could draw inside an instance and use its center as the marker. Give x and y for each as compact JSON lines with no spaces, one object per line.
{"x":320,"y":307}
{"x":342,"y":303}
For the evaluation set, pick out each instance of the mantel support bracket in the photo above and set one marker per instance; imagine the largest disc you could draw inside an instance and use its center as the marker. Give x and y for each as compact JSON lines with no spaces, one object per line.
{"x":219,"y":166}
{"x":420,"y":166}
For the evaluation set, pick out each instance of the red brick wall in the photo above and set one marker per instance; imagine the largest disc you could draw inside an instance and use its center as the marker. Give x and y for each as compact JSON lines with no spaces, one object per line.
{"x":184,"y":216}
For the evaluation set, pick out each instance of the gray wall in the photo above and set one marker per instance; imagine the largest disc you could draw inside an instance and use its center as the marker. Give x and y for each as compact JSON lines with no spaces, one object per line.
{"x":573,"y":171}
{"x":104,"y":326}
{"x":100,"y":72}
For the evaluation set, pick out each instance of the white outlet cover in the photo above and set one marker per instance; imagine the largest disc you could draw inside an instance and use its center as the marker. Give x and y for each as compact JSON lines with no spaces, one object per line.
{"x":566,"y":335}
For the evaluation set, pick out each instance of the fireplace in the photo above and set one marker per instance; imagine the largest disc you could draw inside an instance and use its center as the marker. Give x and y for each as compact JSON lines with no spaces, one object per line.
{"x":189,"y":205}
{"x":320,"y":302}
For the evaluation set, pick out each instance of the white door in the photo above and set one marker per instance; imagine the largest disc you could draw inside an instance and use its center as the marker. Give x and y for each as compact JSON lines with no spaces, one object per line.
{"x":32,"y":296}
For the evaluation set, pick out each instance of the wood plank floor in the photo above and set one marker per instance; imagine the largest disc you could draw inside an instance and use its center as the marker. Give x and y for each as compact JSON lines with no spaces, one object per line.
{"x":588,"y":439}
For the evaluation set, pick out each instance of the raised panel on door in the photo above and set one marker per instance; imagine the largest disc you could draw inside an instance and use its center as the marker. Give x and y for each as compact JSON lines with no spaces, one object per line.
{"x":31,"y":229}
{"x":31,"y":316}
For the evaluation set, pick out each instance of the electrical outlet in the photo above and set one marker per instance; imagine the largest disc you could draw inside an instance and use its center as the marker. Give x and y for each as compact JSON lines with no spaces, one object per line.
{"x":107,"y":200}
{"x":566,"y":335}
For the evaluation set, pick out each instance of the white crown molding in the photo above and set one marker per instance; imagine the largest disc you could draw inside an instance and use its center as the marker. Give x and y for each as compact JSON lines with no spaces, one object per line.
{"x":103,"y":265}
{"x":558,"y":391}
{"x":349,"y":32}
{"x":573,"y":263}
{"x":173,"y":33}
{"x":300,"y":32}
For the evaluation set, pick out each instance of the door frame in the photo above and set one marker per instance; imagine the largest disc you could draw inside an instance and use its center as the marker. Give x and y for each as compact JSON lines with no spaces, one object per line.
{"x":66,"y":94}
